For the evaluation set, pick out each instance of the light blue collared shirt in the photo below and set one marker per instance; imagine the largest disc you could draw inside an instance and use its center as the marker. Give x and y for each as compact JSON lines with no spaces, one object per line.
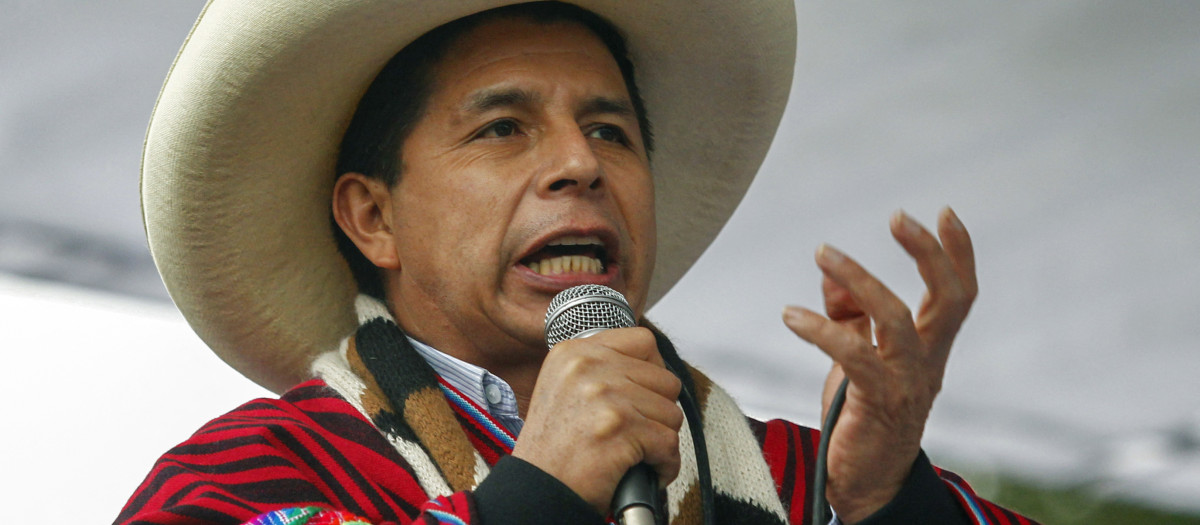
{"x":484,"y":388}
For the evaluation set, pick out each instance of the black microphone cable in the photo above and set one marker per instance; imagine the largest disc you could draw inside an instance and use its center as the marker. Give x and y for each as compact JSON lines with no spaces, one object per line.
{"x":820,"y":504}
{"x":693,"y":415}
{"x":691,"y":412}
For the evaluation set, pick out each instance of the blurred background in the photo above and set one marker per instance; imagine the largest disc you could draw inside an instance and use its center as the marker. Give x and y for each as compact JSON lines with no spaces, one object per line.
{"x":1065,"y":134}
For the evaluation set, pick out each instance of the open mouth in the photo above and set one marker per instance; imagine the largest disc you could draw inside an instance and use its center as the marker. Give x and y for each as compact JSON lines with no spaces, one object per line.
{"x":571,"y":254}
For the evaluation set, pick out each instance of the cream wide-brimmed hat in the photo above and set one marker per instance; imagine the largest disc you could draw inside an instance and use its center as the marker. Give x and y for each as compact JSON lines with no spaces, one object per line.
{"x":238,"y":167}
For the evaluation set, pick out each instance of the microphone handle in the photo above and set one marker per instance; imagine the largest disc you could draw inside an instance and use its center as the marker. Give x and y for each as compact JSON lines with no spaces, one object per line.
{"x":636,"y":500}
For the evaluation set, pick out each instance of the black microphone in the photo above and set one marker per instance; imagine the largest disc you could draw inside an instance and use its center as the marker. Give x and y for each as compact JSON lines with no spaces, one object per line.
{"x":582,"y":311}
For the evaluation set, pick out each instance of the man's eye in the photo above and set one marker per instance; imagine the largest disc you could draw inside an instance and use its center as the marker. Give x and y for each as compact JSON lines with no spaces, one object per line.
{"x":608,"y":134}
{"x":500,"y":128}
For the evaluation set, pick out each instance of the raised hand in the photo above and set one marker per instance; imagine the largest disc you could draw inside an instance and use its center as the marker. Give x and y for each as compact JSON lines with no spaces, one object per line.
{"x":892,"y":383}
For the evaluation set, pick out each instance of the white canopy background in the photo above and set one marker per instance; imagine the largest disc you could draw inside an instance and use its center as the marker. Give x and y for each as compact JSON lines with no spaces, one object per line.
{"x":1065,"y":134}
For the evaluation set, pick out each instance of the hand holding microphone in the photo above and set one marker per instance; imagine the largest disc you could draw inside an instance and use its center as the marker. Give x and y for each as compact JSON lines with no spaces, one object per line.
{"x":603,"y":404}
{"x":584,"y":311}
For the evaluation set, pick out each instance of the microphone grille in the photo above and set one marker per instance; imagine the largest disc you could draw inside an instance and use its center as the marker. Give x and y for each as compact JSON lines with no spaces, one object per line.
{"x":586,"y":308}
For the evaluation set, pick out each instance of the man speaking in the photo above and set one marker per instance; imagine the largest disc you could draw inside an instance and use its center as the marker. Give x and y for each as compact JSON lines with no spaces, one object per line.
{"x":456,"y":165}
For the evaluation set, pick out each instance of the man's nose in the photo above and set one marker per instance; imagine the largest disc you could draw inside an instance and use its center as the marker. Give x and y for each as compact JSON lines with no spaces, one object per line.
{"x":572,"y":165}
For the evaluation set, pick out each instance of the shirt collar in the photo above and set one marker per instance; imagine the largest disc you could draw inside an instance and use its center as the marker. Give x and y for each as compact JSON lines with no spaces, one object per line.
{"x":480,"y":386}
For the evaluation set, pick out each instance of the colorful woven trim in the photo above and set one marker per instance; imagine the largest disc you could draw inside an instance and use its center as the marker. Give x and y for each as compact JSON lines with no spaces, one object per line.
{"x":480,"y":417}
{"x":307,"y":516}
{"x":970,"y":502}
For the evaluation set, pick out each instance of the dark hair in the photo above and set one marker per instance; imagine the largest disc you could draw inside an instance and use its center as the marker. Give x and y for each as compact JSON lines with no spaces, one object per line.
{"x":396,"y":100}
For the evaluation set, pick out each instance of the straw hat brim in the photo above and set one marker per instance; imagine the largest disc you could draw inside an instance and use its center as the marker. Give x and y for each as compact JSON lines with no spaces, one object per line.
{"x":239,"y":158}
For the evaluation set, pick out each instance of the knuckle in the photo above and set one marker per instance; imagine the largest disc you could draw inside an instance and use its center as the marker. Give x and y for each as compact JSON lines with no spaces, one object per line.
{"x":961,"y":295}
{"x":594,"y":390}
{"x":849,"y":339}
{"x":950,"y":300}
{"x":674,"y":385}
{"x":607,"y":422}
{"x":579,"y":363}
{"x":669,"y":473}
{"x":675,"y":419}
{"x":638,"y":337}
{"x":643,"y":334}
{"x":896,"y":323}
{"x":972,"y":291}
{"x":662,"y":445}
{"x":671,"y":443}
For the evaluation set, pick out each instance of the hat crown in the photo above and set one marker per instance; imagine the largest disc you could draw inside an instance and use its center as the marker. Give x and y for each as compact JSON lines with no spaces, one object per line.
{"x":240,"y":152}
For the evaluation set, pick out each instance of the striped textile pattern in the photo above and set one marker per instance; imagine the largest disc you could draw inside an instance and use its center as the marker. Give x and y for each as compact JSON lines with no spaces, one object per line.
{"x":313,"y":449}
{"x":981,"y":511}
{"x":382,"y":439}
{"x":309,"y":448}
{"x":491,"y":439}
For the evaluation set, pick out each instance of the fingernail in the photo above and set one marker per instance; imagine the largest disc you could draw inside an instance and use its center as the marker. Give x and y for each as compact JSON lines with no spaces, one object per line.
{"x":953,"y":218}
{"x":906,"y":223}
{"x":793,"y":316}
{"x":829,"y":254}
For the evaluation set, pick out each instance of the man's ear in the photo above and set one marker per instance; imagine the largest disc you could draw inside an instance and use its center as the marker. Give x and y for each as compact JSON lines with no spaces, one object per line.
{"x":362,"y":207}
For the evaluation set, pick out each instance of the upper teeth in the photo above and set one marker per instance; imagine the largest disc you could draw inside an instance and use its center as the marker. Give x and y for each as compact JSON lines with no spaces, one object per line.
{"x":573,"y":240}
{"x":571,"y":263}
{"x":567,"y":264}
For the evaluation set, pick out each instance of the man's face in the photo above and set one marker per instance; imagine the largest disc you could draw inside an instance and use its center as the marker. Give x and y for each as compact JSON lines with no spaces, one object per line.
{"x":525,"y":176}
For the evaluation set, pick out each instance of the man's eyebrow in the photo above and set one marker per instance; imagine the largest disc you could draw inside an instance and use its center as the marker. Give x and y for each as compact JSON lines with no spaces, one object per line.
{"x":605,"y":105}
{"x":488,"y":99}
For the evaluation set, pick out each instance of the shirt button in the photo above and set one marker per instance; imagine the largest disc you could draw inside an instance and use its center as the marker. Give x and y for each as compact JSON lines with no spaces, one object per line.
{"x":493,"y":393}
